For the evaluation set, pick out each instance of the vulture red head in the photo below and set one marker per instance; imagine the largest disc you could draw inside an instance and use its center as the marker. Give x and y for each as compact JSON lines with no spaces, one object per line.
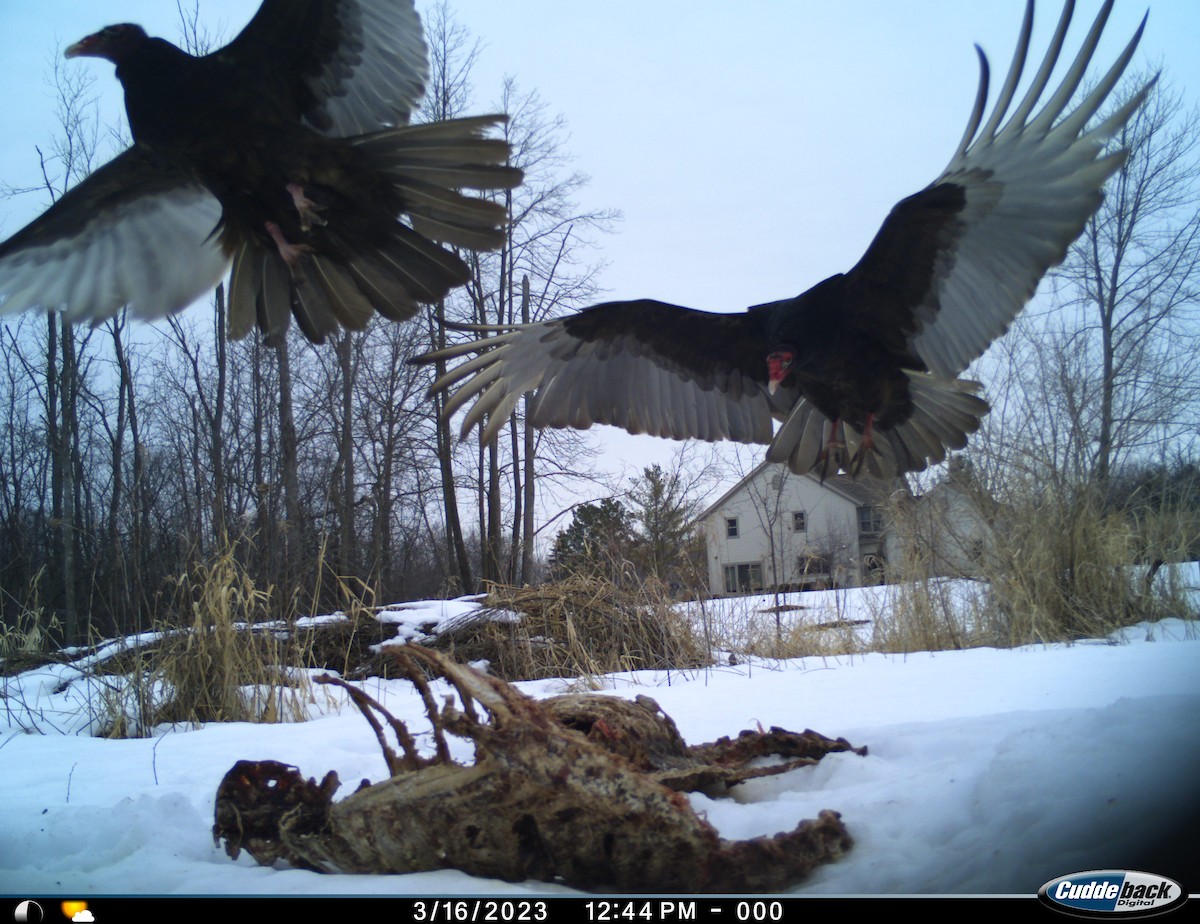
{"x":779,"y":366}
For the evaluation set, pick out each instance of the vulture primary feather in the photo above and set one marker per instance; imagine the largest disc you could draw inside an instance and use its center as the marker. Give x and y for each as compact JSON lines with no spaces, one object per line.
{"x":288,"y":155}
{"x":862,"y":369}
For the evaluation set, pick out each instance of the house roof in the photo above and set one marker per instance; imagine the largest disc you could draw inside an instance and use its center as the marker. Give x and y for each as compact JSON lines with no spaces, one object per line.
{"x":857,"y":492}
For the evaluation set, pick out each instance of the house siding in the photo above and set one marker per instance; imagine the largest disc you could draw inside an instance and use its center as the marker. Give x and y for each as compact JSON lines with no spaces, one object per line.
{"x":764,"y":504}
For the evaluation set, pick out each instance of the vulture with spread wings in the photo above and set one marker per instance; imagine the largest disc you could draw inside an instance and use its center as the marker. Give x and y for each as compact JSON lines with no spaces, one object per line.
{"x":287,"y":154}
{"x":863,"y":368}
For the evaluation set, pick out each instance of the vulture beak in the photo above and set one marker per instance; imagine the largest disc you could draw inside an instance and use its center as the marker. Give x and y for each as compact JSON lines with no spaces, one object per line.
{"x":79,"y":49}
{"x":90,"y":46}
{"x":772,"y":386}
{"x":111,"y":43}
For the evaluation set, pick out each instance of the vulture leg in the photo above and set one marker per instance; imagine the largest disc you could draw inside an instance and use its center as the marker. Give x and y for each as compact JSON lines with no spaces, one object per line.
{"x":833,"y":449}
{"x":305,"y":206}
{"x":865,"y":447}
{"x":290,"y":252}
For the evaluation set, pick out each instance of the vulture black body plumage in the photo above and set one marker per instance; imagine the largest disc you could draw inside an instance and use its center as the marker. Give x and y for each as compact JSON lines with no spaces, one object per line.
{"x":288,"y":155}
{"x":863,"y":369}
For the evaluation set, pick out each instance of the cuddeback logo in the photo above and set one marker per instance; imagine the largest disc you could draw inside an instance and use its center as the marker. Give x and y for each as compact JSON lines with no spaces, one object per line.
{"x":1100,"y":893}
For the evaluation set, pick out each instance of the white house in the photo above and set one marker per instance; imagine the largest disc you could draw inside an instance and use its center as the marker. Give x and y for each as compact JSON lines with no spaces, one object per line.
{"x":777,"y":529}
{"x":948,"y":529}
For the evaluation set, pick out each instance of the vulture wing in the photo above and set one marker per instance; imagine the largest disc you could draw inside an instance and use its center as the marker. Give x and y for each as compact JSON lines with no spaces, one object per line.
{"x":143,"y":231}
{"x":350,"y":67}
{"x":134,"y":232}
{"x":644,"y":366}
{"x":953,"y":265}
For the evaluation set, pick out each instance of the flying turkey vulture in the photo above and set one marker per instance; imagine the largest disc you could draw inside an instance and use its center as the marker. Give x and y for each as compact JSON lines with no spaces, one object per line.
{"x":287,"y":153}
{"x":862,"y":369}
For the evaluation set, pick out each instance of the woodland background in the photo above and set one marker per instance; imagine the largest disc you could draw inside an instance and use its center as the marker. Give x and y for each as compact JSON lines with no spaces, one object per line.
{"x":135,"y":454}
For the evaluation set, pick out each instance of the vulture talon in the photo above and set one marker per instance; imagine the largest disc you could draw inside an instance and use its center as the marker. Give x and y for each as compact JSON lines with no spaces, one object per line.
{"x":835,"y":440}
{"x":856,"y":463}
{"x":305,"y":207}
{"x":290,"y":252}
{"x":823,"y":470}
{"x":865,"y":447}
{"x":833,"y":451}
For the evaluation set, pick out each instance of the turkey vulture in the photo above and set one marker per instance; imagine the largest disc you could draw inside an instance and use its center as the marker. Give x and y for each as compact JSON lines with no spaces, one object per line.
{"x":862,"y":369}
{"x":287,"y":154}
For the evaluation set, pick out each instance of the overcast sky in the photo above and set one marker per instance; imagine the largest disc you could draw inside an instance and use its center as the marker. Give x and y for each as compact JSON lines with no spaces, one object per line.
{"x":752,"y":147}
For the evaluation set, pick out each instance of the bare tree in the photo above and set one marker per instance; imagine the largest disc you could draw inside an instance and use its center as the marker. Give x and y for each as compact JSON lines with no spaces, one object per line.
{"x":529,"y":448}
{"x":539,"y":271}
{"x":663,"y":502}
{"x":348,"y":369}
{"x":766,"y":494}
{"x":1111,"y":374}
{"x":391,"y":455}
{"x":68,"y":160}
{"x":548,"y":234}
{"x":452,"y":54}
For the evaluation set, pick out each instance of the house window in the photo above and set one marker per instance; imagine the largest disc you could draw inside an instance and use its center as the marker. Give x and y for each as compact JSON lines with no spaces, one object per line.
{"x":799,"y":521}
{"x":743,"y":578}
{"x":731,"y":527}
{"x":813,"y":564}
{"x":870,"y":520}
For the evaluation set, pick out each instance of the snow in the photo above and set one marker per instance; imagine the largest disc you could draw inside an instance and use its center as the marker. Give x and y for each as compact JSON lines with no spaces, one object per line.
{"x":989,"y":772}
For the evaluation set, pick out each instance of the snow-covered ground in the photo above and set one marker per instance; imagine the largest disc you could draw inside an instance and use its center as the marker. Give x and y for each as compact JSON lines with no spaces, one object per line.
{"x":989,"y":771}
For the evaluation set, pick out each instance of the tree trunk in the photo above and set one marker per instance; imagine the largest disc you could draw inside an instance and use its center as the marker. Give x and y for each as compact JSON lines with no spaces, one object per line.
{"x":261,"y":488}
{"x":514,"y":539}
{"x":289,"y":467}
{"x":66,"y":468}
{"x":217,"y":427}
{"x":121,"y":588}
{"x":54,"y":451}
{"x":492,"y":546}
{"x":346,"y":456}
{"x":528,"y":461}
{"x":491,"y":549}
{"x":445,"y":445}
{"x":139,"y":520}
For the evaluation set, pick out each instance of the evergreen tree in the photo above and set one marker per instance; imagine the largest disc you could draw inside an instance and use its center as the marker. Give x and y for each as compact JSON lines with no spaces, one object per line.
{"x":664,"y":513}
{"x":596,"y":543}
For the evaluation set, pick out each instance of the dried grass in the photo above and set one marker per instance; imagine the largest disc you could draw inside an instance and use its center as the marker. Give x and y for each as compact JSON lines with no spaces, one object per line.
{"x":1055,"y":568}
{"x":27,"y":641}
{"x":223,"y":657}
{"x":822,"y":625}
{"x":1069,"y":569}
{"x":579,"y":627}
